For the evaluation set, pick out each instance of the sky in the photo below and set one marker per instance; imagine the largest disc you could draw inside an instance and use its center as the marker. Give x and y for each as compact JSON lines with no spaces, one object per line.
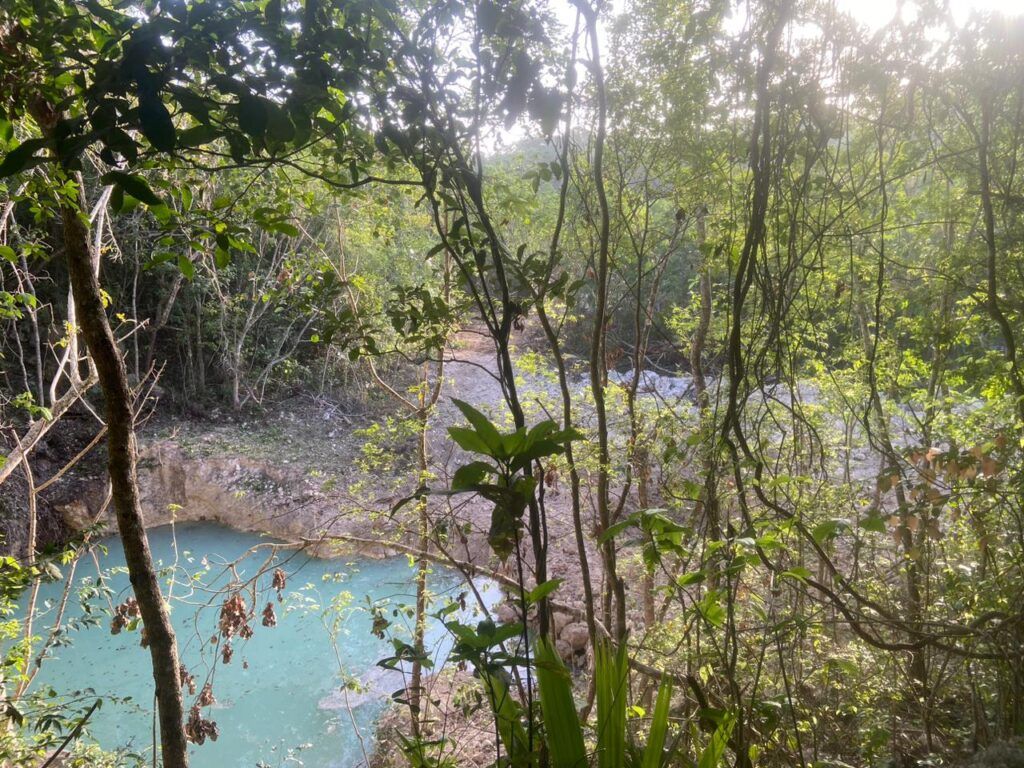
{"x":875,"y":13}
{"x":872,"y":13}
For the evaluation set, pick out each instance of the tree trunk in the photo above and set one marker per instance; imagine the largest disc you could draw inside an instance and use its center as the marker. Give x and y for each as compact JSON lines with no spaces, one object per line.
{"x":615,"y":596}
{"x":162,"y":316}
{"x":707,"y":505}
{"x":121,"y":448}
{"x":422,"y":569}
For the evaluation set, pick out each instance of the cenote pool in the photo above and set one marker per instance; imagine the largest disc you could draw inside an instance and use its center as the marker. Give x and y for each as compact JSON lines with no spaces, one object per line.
{"x":280,"y":702}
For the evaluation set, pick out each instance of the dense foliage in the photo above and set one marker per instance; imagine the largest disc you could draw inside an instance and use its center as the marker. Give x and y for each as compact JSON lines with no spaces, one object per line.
{"x":771,"y":264}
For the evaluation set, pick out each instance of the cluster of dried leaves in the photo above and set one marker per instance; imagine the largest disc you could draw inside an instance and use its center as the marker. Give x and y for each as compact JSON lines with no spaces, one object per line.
{"x":198,"y":729}
{"x":124,"y":614}
{"x":188,"y":680}
{"x":938,"y":476}
{"x":234,"y":622}
{"x":279,"y":583}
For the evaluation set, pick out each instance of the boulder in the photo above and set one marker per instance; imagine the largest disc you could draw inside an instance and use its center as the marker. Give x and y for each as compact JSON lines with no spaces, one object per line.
{"x":564,"y":651}
{"x":559,"y":621}
{"x":506,"y":613}
{"x":577,"y":636}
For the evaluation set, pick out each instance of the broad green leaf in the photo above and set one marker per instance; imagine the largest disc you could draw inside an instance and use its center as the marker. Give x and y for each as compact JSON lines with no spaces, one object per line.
{"x":485,"y":430}
{"x":188,"y":269}
{"x":133,"y":185}
{"x":21,"y":158}
{"x":468,"y":440}
{"x":797,"y":572}
{"x":689,"y":579}
{"x":468,"y":476}
{"x":829,"y":529}
{"x":508,"y":717}
{"x":873,"y":522}
{"x":610,"y":678}
{"x":541,"y":591}
{"x":155,"y":122}
{"x":252,"y":115}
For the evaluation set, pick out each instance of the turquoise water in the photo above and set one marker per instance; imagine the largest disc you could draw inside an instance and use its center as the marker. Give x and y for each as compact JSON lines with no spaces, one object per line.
{"x":280,"y":702}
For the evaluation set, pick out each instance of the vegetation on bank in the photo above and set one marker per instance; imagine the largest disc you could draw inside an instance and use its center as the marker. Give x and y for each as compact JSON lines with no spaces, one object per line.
{"x":770,"y":270}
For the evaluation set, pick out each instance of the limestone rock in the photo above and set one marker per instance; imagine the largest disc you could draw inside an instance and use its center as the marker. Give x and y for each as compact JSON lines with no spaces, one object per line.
{"x":564,"y":650}
{"x":506,"y":613}
{"x":577,"y":636}
{"x":559,"y":621}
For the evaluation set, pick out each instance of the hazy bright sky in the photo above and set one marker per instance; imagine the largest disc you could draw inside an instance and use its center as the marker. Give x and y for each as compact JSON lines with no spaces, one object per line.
{"x":875,"y":13}
{"x":872,"y":13}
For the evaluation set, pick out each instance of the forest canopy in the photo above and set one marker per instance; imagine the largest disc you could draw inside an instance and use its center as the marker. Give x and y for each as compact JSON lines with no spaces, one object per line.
{"x":692,"y":327}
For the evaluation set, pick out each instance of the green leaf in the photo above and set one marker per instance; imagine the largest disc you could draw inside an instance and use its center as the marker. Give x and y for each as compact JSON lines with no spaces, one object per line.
{"x":279,"y":126}
{"x":6,"y":252}
{"x":188,"y":269}
{"x":689,"y":579}
{"x":485,"y":430}
{"x":798,"y":572}
{"x":652,"y":756}
{"x":828,"y":530}
{"x":873,"y":522}
{"x":135,"y":186}
{"x":526,"y":453}
{"x":21,"y":157}
{"x":272,"y":12}
{"x":508,"y":717}
{"x":468,"y":440}
{"x":562,"y":730}
{"x":610,"y":682}
{"x":252,"y":115}
{"x":541,"y":591}
{"x":714,"y":751}
{"x":282,"y":227}
{"x":468,"y":476}
{"x":614,"y":530}
{"x":197,"y":136}
{"x":155,"y":123}
{"x":506,"y":521}
{"x":710,"y":607}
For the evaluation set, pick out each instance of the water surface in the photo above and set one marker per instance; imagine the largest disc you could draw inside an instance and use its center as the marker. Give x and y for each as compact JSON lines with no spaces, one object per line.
{"x":283,"y":698}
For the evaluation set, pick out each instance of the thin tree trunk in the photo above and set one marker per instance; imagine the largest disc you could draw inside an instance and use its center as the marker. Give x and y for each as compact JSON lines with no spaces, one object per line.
{"x":707,"y":505}
{"x":113,"y":376}
{"x":616,"y":594}
{"x":30,"y":564}
{"x":422,"y":568}
{"x":162,"y":316}
{"x":991,"y":261}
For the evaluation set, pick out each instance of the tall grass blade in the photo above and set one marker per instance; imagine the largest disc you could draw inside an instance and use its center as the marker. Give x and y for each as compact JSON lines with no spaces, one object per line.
{"x":659,"y":727}
{"x":562,"y":730}
{"x":611,"y":679}
{"x":507,"y":714}
{"x":715,"y":749}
